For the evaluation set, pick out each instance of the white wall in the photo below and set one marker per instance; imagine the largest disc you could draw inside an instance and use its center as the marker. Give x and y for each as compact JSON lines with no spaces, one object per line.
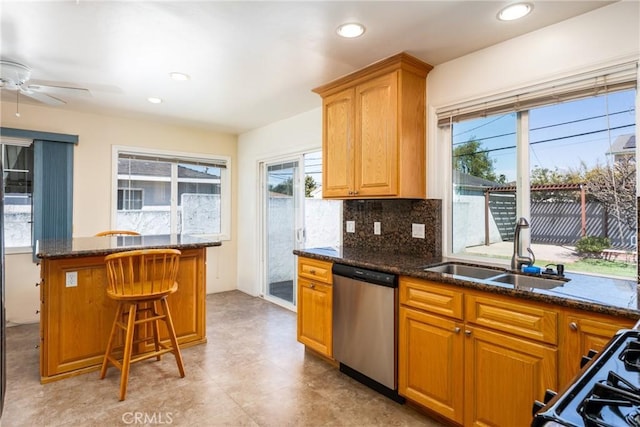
{"x":92,"y":186}
{"x":291,"y":136}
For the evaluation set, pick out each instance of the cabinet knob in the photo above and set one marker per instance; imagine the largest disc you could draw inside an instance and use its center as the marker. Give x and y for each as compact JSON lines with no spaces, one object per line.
{"x":313,"y":286}
{"x":37,"y":284}
{"x":573,"y":326}
{"x":312,"y":271}
{"x":355,"y":192}
{"x":456,"y":330}
{"x":467,"y":332}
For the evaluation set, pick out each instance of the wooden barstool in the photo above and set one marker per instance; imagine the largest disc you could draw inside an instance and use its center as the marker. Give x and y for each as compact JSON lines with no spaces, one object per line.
{"x":117,"y":233}
{"x":138,"y":280}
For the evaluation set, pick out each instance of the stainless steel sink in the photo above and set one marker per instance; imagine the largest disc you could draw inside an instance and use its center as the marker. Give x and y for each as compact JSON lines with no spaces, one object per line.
{"x":465,"y":270}
{"x":521,"y":281}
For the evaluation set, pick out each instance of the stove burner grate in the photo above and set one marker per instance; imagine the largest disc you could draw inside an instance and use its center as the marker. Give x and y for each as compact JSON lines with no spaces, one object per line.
{"x":612,"y":403}
{"x":631,"y":355}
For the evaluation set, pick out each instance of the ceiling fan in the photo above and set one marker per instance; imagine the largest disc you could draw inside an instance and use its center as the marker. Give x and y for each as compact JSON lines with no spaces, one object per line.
{"x":17,"y":77}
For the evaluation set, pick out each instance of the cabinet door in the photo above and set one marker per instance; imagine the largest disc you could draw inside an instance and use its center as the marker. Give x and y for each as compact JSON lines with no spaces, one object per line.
{"x":503,"y":376}
{"x":315,"y":320}
{"x":376,"y":154}
{"x":430,"y":363}
{"x":581,"y":334}
{"x":338,"y":145}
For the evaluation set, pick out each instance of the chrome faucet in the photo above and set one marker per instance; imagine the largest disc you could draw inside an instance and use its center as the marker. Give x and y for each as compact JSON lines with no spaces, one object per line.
{"x":518,"y":260}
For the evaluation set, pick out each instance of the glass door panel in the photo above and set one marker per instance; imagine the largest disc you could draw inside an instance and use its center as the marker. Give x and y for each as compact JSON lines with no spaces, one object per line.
{"x":283,"y":232}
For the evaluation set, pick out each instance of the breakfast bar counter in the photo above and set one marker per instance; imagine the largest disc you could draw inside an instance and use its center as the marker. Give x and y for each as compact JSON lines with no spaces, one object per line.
{"x":75,"y":313}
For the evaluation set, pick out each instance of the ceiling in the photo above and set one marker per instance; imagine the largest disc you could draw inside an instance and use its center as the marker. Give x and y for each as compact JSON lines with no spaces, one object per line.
{"x":250,"y":63}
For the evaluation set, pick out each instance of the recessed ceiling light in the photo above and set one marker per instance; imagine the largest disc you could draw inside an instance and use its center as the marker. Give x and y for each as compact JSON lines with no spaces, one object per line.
{"x":154,"y":100}
{"x":515,"y":11}
{"x":181,"y":77}
{"x":350,"y":30}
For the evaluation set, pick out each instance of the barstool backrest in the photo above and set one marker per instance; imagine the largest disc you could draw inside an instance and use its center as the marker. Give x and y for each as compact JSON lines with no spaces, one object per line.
{"x":117,"y":233}
{"x":142,"y":273}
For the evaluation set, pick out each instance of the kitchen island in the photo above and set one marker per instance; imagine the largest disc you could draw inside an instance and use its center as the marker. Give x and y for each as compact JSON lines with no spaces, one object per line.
{"x":76,"y":314}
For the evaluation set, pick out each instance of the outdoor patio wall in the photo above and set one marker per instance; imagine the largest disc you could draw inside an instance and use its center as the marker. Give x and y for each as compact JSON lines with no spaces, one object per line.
{"x":324,"y":228}
{"x":92,"y":189}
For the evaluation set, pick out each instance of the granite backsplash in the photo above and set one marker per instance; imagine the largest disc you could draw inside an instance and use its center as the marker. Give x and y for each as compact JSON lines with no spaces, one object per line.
{"x":396,"y":218}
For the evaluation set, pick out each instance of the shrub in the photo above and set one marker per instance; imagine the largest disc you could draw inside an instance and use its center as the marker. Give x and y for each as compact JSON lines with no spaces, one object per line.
{"x":591,"y":246}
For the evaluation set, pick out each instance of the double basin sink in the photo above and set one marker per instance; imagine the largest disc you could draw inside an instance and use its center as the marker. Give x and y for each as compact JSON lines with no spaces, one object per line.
{"x":495,"y":276}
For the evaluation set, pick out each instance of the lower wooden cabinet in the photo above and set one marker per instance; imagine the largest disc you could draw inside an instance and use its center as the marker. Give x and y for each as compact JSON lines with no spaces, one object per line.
{"x":315,"y":301}
{"x":430,"y":362}
{"x":580,"y":333}
{"x":503,"y":376}
{"x":481,"y":359}
{"x":315,"y":305}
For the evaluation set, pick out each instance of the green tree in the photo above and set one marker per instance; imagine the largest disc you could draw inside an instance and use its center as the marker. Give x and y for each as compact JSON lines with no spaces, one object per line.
{"x":309,"y":185}
{"x":615,"y":188}
{"x":286,"y":186}
{"x":546,"y":176}
{"x":472,"y":159}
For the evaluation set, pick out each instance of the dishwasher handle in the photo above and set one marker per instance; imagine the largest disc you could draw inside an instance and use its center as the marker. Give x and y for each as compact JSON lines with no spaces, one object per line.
{"x":365,"y":275}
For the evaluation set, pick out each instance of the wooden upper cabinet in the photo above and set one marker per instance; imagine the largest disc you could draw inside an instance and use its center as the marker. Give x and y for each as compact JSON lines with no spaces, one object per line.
{"x":374,"y":131}
{"x":338,"y":147}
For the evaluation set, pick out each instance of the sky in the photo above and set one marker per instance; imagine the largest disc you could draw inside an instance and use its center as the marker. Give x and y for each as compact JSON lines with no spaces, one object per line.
{"x":561,"y":135}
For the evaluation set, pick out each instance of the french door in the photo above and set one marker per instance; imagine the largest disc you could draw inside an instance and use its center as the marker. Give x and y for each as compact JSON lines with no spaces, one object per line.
{"x":283,"y":218}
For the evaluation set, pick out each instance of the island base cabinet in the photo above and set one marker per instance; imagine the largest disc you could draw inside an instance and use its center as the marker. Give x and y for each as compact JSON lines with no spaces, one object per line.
{"x":430,"y":362}
{"x":77,"y":315}
{"x":503,"y":377}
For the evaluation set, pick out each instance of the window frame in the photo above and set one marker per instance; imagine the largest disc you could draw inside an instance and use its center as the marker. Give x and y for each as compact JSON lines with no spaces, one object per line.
{"x":625,"y":79}
{"x":19,"y":142}
{"x":225,"y":183}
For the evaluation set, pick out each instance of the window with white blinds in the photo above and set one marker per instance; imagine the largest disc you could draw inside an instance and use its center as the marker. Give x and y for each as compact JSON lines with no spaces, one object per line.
{"x":561,"y":154}
{"x":610,"y":79}
{"x":169,"y":193}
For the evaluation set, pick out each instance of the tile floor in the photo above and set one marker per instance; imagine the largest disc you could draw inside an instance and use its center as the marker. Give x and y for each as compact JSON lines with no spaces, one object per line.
{"x":252,"y":372}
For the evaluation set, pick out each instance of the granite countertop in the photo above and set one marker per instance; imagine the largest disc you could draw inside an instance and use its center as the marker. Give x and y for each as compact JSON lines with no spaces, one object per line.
{"x":611,"y":296}
{"x":96,"y":246}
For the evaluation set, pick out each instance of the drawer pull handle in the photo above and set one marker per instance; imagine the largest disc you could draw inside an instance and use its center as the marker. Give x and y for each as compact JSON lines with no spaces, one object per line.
{"x":573,"y":326}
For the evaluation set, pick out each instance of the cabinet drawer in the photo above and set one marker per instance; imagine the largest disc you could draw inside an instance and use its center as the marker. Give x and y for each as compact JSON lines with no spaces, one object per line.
{"x":431,"y":297}
{"x":518,"y":318}
{"x":315,"y":270}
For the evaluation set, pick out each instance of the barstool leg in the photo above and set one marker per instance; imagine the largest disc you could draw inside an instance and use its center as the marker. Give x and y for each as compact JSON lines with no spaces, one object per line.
{"x":156,"y":329}
{"x":114,"y":331}
{"x":128,"y":347}
{"x":172,"y":336}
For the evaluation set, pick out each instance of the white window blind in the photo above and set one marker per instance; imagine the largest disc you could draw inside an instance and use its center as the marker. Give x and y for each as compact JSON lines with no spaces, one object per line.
{"x":217,"y":163}
{"x":614,"y":78}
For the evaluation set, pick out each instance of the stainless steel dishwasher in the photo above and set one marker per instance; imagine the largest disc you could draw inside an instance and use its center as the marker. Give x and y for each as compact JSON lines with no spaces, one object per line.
{"x":364,"y":327}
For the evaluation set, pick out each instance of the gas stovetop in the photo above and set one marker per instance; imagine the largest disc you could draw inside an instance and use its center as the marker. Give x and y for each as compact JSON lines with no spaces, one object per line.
{"x":607,"y":393}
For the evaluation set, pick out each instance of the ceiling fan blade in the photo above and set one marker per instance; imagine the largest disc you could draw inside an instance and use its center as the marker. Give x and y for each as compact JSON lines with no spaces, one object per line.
{"x":42,"y":97}
{"x":58,"y":88}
